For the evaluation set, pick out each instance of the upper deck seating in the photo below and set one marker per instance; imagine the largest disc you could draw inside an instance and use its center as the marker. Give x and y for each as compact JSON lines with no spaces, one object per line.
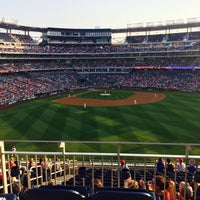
{"x":176,"y":37}
{"x":194,"y":36}
{"x":155,"y":38}
{"x":135,"y":39}
{"x":6,"y":38}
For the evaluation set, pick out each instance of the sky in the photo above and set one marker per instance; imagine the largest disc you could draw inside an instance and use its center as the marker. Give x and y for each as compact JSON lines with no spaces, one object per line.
{"x":96,"y":13}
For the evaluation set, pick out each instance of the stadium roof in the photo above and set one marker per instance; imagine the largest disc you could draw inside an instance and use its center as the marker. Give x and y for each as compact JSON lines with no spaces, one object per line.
{"x":157,"y":27}
{"x":142,"y":28}
{"x":21,"y":27}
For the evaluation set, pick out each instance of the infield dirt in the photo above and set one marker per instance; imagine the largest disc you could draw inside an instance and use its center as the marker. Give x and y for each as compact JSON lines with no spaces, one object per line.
{"x":137,"y":98}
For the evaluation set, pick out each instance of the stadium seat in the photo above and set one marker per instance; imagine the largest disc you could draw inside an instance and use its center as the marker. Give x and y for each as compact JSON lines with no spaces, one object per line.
{"x":81,"y":189}
{"x":9,"y":196}
{"x":197,"y":176}
{"x":121,"y":195}
{"x":82,"y":172}
{"x":42,"y":194}
{"x":128,"y":190}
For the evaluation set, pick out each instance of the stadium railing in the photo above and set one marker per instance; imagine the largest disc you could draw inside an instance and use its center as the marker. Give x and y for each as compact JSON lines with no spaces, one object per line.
{"x":142,"y":166}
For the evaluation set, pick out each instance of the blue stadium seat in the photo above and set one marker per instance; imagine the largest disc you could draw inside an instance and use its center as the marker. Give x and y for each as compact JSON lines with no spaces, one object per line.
{"x":121,"y":195}
{"x":9,"y":196}
{"x":42,"y":194}
{"x":83,"y":190}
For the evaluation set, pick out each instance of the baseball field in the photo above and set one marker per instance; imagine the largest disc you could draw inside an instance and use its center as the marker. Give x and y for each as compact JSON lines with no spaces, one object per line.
{"x":105,"y":115}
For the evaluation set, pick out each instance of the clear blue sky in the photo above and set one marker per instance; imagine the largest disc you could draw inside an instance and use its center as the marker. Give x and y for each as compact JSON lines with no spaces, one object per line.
{"x":92,"y":13}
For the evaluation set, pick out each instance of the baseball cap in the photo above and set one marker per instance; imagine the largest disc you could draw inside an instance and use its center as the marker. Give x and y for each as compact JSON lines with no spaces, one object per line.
{"x":122,"y":161}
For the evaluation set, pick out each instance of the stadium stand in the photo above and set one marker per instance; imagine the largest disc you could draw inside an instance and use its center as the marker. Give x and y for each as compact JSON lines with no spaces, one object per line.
{"x":87,"y":59}
{"x":80,"y":180}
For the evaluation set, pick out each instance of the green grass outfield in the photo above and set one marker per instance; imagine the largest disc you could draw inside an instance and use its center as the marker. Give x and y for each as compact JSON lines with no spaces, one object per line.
{"x":174,"y":119}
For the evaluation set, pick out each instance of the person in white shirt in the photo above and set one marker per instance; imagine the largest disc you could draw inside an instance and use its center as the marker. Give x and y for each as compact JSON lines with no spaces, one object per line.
{"x":180,"y":165}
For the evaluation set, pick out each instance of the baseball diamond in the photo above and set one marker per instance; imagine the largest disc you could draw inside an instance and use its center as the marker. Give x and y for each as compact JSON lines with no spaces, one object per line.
{"x":140,"y":97}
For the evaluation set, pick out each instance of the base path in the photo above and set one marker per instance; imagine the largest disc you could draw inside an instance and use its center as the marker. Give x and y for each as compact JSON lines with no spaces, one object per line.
{"x":137,"y":98}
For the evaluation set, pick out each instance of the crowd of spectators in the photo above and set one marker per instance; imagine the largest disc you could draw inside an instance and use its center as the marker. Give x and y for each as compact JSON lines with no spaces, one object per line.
{"x":100,"y":49}
{"x":24,"y":80}
{"x":177,"y":184}
{"x":18,"y":43}
{"x":20,"y":86}
{"x":180,"y":80}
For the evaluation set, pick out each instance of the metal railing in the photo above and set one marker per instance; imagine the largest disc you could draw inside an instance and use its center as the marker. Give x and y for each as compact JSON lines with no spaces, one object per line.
{"x":71,"y":162}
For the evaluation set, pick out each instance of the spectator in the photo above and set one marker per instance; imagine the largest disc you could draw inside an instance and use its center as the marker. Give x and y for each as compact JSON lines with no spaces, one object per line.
{"x":11,"y":163}
{"x":133,"y":184}
{"x":170,"y":167}
{"x":196,"y":189}
{"x":123,"y":165}
{"x":14,"y":150}
{"x":57,"y":166}
{"x":185,"y":191}
{"x":14,"y":169}
{"x":180,"y":165}
{"x":16,"y":187}
{"x":31,"y":163}
{"x":142,"y":184}
{"x":160,"y":166}
{"x":123,"y":169}
{"x":191,"y":167}
{"x":46,"y":168}
{"x":126,"y":177}
{"x":171,"y":187}
{"x":158,"y":185}
{"x":97,"y":184}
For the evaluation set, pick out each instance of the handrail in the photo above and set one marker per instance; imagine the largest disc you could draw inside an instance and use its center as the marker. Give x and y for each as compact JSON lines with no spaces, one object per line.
{"x":89,"y":159}
{"x":103,"y":154}
{"x":103,"y":142}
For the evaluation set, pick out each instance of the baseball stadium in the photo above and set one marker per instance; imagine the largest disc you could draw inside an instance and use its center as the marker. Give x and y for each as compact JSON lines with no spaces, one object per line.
{"x":93,"y":100}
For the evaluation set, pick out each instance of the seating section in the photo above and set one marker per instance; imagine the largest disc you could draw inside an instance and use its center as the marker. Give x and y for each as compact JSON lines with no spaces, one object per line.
{"x":110,"y":178}
{"x":65,"y":192}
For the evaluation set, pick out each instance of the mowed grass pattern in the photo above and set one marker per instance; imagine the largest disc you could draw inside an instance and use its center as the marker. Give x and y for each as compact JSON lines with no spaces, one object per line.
{"x":174,"y":119}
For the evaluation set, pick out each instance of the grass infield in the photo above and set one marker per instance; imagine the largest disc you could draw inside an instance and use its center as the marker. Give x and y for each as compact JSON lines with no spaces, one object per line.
{"x":176,"y":119}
